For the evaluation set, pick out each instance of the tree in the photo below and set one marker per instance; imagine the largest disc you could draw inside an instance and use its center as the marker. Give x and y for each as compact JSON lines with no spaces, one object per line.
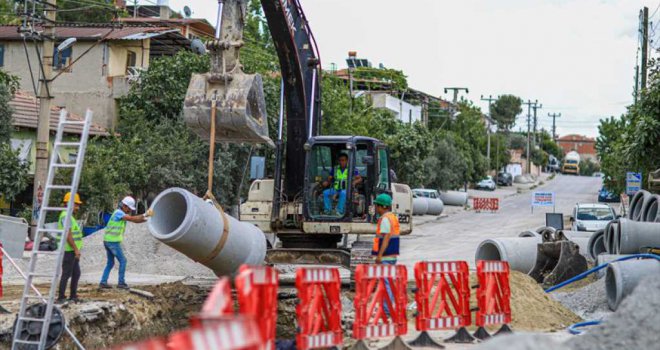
{"x":445,"y":168}
{"x":89,"y":11}
{"x":5,"y":114}
{"x":7,"y":15}
{"x":13,"y":172}
{"x":505,"y":109}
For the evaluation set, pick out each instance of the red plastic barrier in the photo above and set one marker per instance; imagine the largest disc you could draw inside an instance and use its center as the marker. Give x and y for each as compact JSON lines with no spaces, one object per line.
{"x":219,"y":303}
{"x":224,"y":333}
{"x":319,"y":310}
{"x":256,"y":287}
{"x":493,"y":294}
{"x":371,"y":320}
{"x":443,"y":295}
{"x":151,"y":344}
{"x":486,"y":204}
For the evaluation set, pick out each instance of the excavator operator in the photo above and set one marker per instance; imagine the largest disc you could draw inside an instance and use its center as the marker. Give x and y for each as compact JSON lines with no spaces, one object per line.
{"x":337,"y":186}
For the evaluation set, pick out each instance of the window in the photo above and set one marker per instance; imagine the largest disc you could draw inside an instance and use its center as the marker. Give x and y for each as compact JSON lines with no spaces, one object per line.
{"x":2,"y":55}
{"x":604,"y":214}
{"x":383,"y":170}
{"x":61,"y":59}
{"x":131,"y":61}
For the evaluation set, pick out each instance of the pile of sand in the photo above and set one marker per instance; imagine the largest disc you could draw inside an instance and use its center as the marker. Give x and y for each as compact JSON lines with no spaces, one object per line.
{"x":533,"y":309}
{"x":144,"y":255}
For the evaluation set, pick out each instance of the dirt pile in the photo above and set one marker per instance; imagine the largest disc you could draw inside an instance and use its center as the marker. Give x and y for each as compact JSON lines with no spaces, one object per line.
{"x":145,"y":255}
{"x":635,"y":325}
{"x":112,"y":317}
{"x":588,"y":302}
{"x":533,"y":309}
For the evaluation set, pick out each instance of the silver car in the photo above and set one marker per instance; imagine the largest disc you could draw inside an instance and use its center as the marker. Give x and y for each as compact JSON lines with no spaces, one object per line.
{"x":591,"y":216}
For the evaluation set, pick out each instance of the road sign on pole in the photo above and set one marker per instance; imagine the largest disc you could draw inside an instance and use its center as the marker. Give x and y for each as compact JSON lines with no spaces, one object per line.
{"x":633,"y":183}
{"x":543,"y":199}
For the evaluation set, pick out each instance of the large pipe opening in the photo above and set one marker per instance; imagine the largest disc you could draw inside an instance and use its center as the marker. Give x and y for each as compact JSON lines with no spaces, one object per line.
{"x":489,"y":251}
{"x":652,"y":212}
{"x":611,"y":283}
{"x":171,"y":210}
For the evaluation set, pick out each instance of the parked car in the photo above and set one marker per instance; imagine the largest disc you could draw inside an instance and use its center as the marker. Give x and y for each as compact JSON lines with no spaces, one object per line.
{"x":591,"y":216}
{"x":486,"y":184}
{"x":504,"y":179}
{"x":607,"y":196}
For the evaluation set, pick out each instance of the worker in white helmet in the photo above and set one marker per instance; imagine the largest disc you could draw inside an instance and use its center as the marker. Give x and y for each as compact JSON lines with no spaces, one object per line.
{"x":114,"y":235}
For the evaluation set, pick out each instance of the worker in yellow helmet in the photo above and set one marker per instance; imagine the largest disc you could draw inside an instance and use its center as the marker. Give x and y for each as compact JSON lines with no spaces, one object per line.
{"x":74,"y":243}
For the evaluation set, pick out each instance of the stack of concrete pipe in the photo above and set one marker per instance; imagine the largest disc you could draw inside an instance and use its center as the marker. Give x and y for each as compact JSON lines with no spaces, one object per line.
{"x":644,"y":207}
{"x":420,"y":206}
{"x":623,"y":276}
{"x":210,"y":237}
{"x":454,"y":198}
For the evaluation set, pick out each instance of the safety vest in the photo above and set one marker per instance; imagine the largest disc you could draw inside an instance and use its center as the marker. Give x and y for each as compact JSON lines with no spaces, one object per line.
{"x":76,"y":232}
{"x":114,"y":231}
{"x":393,"y":246}
{"x":341,"y":177}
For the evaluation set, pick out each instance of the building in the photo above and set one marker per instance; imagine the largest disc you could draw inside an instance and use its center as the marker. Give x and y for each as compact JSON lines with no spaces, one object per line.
{"x":585,"y":146}
{"x":23,"y":139}
{"x":97,"y":69}
{"x":403,"y":111}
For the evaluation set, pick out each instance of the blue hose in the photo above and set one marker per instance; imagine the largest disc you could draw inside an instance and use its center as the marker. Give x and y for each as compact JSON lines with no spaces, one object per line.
{"x":573,"y":329}
{"x":600,"y":267}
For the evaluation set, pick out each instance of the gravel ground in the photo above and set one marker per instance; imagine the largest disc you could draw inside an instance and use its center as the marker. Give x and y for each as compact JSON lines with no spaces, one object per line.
{"x":635,"y":325}
{"x":589,"y":302}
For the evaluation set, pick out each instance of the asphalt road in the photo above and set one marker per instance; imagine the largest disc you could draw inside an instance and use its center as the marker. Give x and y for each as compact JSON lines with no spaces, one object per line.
{"x":456,"y":237}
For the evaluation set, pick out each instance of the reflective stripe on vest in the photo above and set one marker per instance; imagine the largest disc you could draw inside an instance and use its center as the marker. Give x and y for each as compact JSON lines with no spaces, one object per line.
{"x":76,"y":232}
{"x":114,"y":231}
{"x":393,"y":245}
{"x":341,"y":177}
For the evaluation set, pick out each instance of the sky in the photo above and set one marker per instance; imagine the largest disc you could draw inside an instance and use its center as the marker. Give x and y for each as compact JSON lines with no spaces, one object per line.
{"x":576,"y":57}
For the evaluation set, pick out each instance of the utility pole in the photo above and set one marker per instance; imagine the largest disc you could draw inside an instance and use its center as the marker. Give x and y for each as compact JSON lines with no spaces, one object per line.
{"x":456,"y":91}
{"x":45,"y":97}
{"x":535,"y":107}
{"x":490,"y":100}
{"x":644,"y":17}
{"x":554,"y":117}
{"x":529,"y":120}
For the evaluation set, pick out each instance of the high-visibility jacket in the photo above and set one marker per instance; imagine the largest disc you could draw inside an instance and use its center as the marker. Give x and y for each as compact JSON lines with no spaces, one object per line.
{"x":114,"y":231}
{"x":341,"y":177}
{"x":393,"y":245}
{"x":76,"y":232}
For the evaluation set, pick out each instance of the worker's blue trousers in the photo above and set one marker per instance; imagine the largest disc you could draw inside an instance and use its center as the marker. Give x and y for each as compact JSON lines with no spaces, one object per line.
{"x":327,"y":201}
{"x":113,"y":250}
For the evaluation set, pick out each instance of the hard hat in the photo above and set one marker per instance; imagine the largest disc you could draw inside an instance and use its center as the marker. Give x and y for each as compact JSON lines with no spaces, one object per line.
{"x":129,"y":202}
{"x":384,"y":200}
{"x":67,"y":198}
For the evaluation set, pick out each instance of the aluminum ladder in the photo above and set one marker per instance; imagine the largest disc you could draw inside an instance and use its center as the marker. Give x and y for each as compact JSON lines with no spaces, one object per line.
{"x":54,"y":274}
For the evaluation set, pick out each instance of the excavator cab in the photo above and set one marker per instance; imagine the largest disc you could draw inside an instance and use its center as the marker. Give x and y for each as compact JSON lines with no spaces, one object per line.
{"x":344,"y":174}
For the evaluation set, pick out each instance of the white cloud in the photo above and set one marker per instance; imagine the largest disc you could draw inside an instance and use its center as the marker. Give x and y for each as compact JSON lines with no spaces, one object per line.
{"x":576,"y":57}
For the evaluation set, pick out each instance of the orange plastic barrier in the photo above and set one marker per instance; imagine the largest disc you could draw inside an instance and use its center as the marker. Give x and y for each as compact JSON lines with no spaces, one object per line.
{"x":219,"y":303}
{"x":371,"y":299}
{"x":443,"y":295}
{"x":319,"y":310}
{"x":256,"y":287}
{"x":486,"y":204}
{"x":223,"y":333}
{"x":493,"y":296}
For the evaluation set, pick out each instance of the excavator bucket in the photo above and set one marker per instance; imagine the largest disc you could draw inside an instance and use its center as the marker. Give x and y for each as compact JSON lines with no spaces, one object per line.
{"x":240,"y":108}
{"x":557,"y":261}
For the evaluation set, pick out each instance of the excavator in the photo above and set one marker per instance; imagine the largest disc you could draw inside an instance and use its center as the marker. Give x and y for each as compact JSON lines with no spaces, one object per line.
{"x":305,"y":219}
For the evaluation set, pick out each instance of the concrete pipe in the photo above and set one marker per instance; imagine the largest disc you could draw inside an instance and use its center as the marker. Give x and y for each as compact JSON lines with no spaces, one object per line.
{"x":576,"y":234}
{"x":603,"y":259}
{"x":583,"y":244}
{"x":195,"y":228}
{"x":623,"y":276}
{"x":529,"y":234}
{"x":435,"y":206}
{"x":637,"y":203}
{"x":420,"y":206}
{"x":519,"y":252}
{"x":454,"y":198}
{"x":650,"y":209}
{"x":610,"y":233}
{"x":634,"y":236}
{"x":596,"y":245}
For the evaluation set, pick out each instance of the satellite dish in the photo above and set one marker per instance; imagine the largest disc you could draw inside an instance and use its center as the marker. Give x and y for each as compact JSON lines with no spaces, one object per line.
{"x":187,"y":12}
{"x":198,"y":47}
